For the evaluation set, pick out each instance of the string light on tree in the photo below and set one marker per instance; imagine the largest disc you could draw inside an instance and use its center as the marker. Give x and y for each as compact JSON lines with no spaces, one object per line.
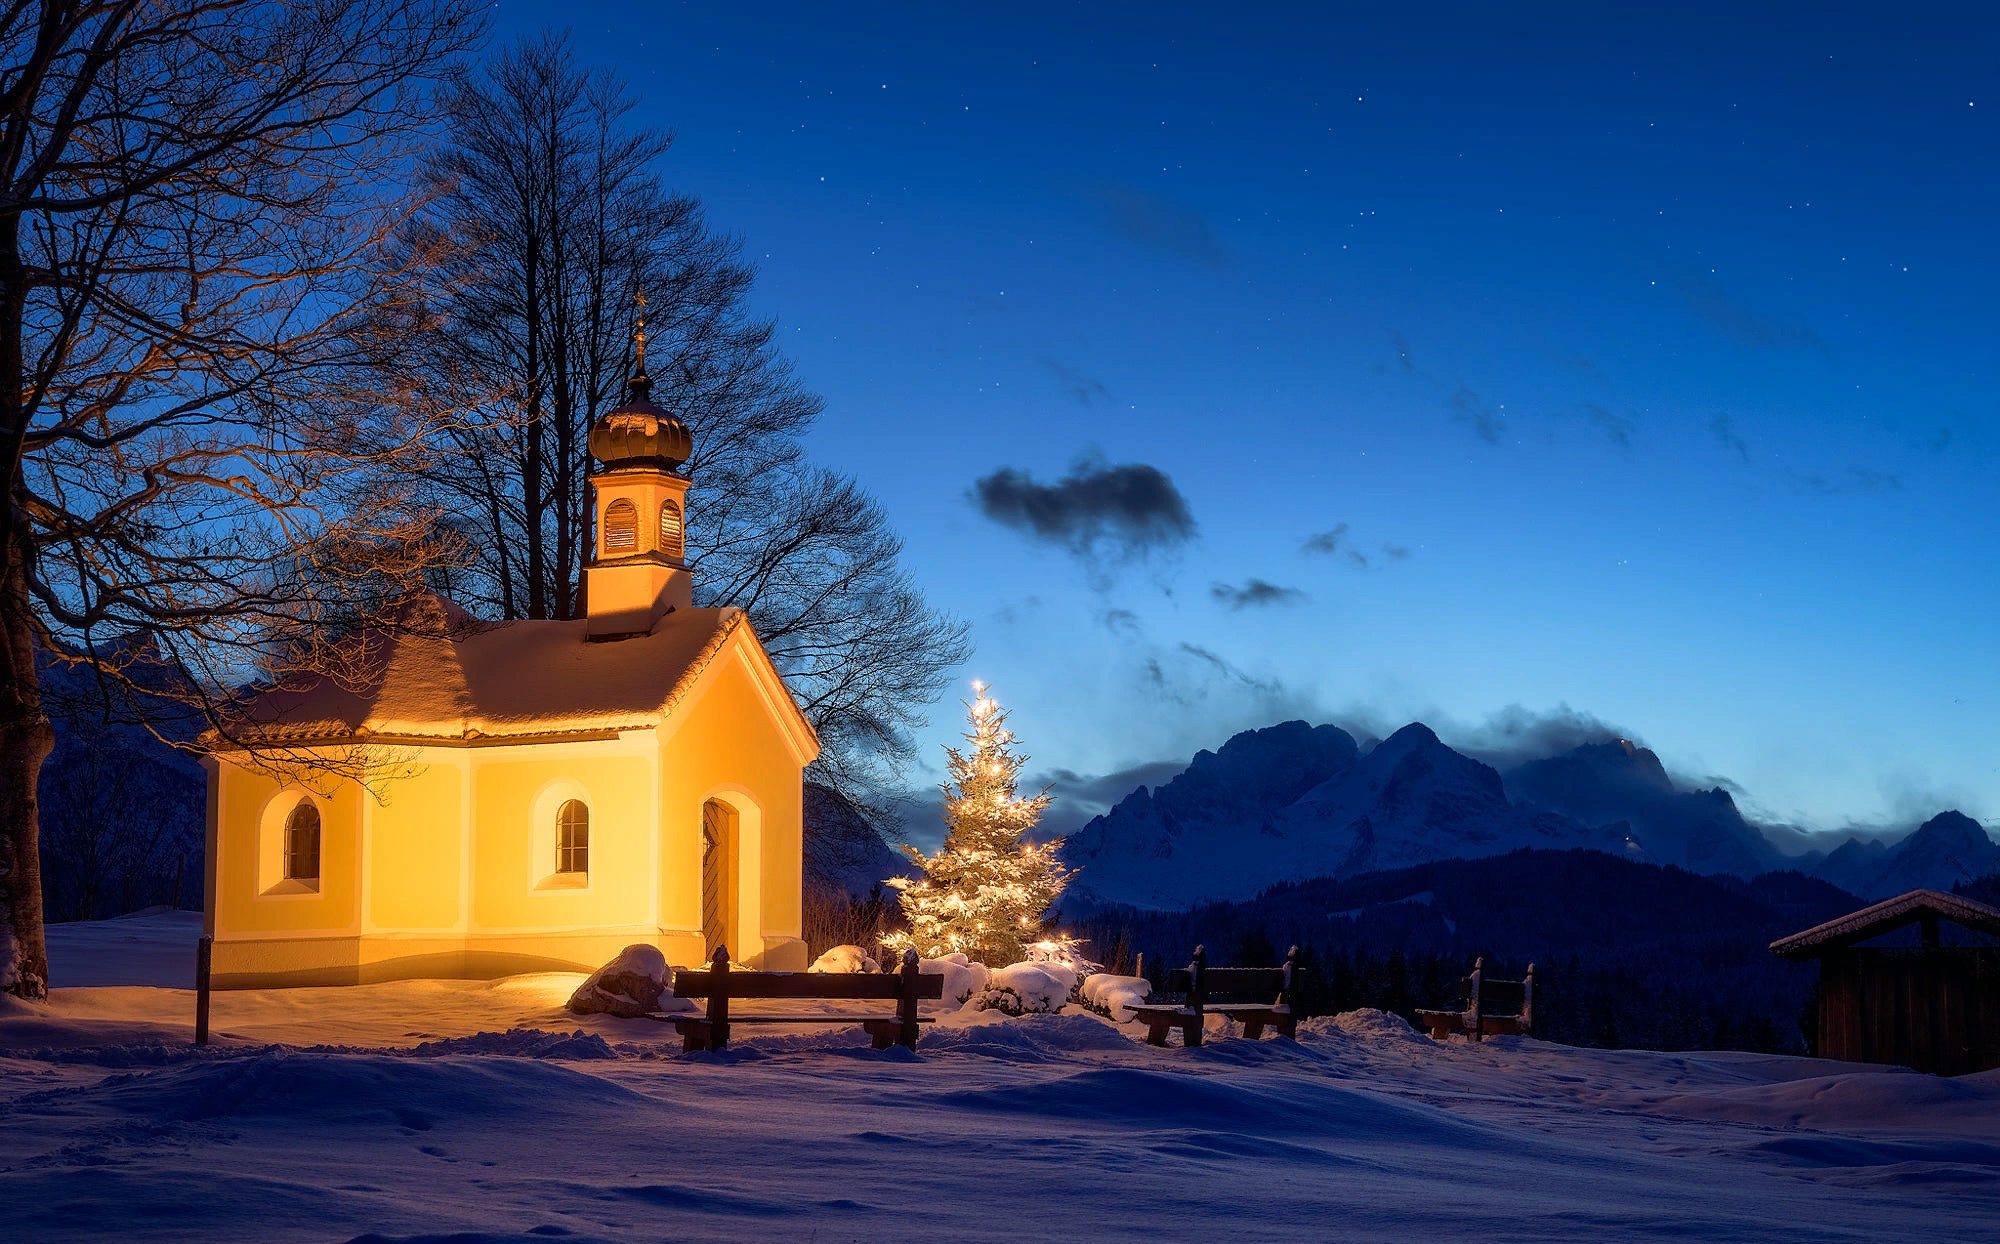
{"x":984,"y":892}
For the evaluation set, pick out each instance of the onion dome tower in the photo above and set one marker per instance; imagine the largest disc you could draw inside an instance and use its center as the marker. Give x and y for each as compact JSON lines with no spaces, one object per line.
{"x":638,"y":566}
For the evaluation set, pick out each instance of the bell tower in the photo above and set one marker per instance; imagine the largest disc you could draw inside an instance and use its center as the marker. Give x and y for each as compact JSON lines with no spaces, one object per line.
{"x":638,"y":566}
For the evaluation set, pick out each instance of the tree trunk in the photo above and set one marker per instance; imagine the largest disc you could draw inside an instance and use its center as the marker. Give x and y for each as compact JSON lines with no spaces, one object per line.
{"x":26,"y":738}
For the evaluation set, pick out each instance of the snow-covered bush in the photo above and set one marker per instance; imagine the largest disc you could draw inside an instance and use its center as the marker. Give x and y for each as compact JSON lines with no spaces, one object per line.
{"x":845,"y":961}
{"x":962,"y":977}
{"x":1115,"y":996}
{"x":1064,"y":951}
{"x":1026,"y":988}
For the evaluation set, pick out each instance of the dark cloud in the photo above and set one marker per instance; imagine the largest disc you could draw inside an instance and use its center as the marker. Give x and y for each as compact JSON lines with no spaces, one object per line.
{"x":1703,"y":295}
{"x":1085,"y":389}
{"x":1159,"y":223}
{"x":1255,"y":594}
{"x":1081,"y":796}
{"x":1942,"y":441}
{"x":1723,"y":429}
{"x":1124,"y":511}
{"x":1616,"y":426}
{"x":1396,"y":552}
{"x":1516,"y":735}
{"x":1325,"y":542}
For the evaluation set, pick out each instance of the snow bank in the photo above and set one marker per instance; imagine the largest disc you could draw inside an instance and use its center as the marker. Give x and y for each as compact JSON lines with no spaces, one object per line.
{"x":1026,"y":1039}
{"x":1366,"y":1024}
{"x":845,"y":961}
{"x":962,"y":977}
{"x":575,"y":1046}
{"x":1115,"y":995}
{"x":305,"y":1088}
{"x":1026,"y":988}
{"x":1886,"y":1098}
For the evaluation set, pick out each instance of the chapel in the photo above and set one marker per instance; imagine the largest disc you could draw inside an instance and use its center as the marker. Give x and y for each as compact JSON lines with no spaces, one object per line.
{"x":485,"y":799}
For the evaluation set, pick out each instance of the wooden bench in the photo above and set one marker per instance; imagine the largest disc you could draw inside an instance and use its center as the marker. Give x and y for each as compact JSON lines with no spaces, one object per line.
{"x":1264,"y":998}
{"x":710,"y":1031}
{"x":1487,"y":1007}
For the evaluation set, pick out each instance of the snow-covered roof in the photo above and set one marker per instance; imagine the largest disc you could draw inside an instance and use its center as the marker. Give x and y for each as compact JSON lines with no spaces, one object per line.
{"x":458,"y":678}
{"x":1892,"y":913}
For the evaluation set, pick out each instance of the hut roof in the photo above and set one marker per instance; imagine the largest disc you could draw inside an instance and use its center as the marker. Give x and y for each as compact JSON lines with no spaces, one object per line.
{"x":1882,"y":917}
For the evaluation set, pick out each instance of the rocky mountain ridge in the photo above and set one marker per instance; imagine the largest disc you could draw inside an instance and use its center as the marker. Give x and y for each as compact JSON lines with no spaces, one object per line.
{"x":1296,"y":801}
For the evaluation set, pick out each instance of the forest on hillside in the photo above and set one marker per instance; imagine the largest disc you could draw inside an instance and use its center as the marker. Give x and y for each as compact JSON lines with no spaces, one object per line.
{"x":1626,"y":954}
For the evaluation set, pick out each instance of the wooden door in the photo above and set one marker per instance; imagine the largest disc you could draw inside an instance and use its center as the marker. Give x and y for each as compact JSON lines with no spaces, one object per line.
{"x":718,"y":880}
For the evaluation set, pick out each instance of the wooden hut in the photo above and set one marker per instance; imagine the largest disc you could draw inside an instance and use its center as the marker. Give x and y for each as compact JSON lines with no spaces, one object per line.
{"x":1932,"y":1007}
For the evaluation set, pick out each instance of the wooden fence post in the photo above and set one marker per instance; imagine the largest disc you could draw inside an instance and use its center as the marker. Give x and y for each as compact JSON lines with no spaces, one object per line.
{"x":1478,"y":1000}
{"x":204,"y":955}
{"x":718,"y":1000}
{"x":1197,"y":996}
{"x":906,"y":1005}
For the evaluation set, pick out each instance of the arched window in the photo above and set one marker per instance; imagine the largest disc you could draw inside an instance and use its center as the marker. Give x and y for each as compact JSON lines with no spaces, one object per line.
{"x":621,"y":527}
{"x":573,"y":837}
{"x":670,"y":528}
{"x":302,"y":842}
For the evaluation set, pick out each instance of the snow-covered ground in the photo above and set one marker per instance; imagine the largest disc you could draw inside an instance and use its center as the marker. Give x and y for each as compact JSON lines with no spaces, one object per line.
{"x":482,"y":1111}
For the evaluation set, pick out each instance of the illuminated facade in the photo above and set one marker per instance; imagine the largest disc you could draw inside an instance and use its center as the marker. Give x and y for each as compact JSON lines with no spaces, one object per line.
{"x":514,"y":797}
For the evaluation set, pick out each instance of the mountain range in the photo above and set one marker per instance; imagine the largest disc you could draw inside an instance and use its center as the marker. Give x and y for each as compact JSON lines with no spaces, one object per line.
{"x":1296,"y":801}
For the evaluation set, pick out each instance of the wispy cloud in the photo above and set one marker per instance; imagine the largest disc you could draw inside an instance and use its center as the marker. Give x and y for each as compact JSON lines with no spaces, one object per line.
{"x":1158,"y":223}
{"x":1255,"y":594}
{"x":1471,"y":410}
{"x":1121,"y":622}
{"x":1705,"y":297}
{"x":1334,"y":542}
{"x":1488,"y":420}
{"x":1723,"y":429}
{"x":1616,"y":426}
{"x":1085,"y":389}
{"x":1855,"y":479}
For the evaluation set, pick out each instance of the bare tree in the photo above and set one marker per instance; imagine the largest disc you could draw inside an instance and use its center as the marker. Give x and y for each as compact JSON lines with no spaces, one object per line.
{"x":196,"y":319}
{"x":558,"y":213}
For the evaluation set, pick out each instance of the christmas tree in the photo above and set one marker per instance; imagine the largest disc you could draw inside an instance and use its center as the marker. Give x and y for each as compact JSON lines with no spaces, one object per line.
{"x":985,"y":890}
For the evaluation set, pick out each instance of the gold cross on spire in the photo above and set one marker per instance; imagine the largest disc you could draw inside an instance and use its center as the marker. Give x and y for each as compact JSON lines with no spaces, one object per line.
{"x":639,"y":336}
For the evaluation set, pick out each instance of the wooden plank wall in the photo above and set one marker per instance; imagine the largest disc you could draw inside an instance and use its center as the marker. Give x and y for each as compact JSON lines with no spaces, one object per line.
{"x":1936,"y":1011}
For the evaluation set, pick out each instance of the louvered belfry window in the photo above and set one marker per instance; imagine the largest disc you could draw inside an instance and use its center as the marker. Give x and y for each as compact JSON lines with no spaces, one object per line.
{"x":670,"y":528}
{"x":573,"y":838}
{"x":621,"y":527}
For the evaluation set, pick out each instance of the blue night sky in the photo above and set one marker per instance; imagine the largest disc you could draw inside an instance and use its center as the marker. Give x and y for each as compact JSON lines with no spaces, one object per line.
{"x":1628,"y":367}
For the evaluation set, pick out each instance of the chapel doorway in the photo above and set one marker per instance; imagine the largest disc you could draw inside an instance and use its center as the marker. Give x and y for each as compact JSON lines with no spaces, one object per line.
{"x":718,"y":875}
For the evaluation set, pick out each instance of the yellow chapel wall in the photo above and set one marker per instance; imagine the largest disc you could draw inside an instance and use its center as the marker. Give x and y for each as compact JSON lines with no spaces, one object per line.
{"x":264,"y":928}
{"x":726,"y":745}
{"x":414,"y":850}
{"x":526,"y":917}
